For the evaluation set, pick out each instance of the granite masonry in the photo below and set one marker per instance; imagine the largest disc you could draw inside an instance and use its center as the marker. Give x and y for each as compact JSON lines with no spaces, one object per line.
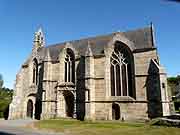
{"x":109,"y":77}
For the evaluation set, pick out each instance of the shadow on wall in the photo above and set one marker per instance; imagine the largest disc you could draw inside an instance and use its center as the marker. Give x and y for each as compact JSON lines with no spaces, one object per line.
{"x":38,"y":104}
{"x":153,"y":91}
{"x":80,"y":89}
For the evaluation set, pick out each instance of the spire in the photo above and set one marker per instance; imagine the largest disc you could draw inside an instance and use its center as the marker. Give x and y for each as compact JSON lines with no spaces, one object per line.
{"x":39,"y":40}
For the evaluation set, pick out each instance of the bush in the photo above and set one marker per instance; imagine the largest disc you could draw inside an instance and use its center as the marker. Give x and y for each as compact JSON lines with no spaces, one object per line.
{"x":5,"y":100}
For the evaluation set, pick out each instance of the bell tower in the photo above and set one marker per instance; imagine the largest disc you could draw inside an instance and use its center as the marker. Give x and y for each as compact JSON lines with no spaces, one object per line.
{"x":39,"y":40}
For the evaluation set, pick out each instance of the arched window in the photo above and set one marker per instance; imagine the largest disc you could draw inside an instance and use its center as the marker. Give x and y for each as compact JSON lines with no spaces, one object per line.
{"x":121,"y":71}
{"x":69,"y":66}
{"x":35,"y":71}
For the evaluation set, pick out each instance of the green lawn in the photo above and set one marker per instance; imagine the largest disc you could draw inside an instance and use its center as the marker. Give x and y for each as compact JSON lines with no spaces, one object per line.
{"x":75,"y":127}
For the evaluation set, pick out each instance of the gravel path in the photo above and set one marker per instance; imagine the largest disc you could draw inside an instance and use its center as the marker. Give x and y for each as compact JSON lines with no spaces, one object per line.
{"x":17,"y":127}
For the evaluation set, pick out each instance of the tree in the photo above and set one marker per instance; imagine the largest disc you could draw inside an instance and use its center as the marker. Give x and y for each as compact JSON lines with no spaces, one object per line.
{"x":5,"y":100}
{"x":1,"y":81}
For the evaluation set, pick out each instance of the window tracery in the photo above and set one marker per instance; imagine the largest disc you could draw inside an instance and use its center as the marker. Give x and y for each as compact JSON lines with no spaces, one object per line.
{"x":121,"y":72}
{"x":69,"y":66}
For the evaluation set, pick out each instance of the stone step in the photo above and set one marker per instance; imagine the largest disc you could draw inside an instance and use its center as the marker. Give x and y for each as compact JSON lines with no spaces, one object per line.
{"x":167,"y":122}
{"x":174,"y":116}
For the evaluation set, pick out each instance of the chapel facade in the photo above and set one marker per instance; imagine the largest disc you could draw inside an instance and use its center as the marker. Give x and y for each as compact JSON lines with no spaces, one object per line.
{"x":116,"y":76}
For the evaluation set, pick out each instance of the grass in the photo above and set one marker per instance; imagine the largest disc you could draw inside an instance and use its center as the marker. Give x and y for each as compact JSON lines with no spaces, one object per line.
{"x":75,"y":127}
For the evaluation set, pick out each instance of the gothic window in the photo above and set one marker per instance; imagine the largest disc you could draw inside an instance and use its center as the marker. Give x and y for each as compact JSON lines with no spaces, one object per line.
{"x":35,"y":71}
{"x":121,"y":71}
{"x":69,"y":66}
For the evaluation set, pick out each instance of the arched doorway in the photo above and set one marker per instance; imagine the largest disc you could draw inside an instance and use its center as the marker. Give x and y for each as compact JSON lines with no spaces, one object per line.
{"x":115,"y":112}
{"x":30,"y":108}
{"x":69,"y":101}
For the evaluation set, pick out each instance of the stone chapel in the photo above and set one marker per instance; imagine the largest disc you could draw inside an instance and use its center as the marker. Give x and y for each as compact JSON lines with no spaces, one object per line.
{"x":109,"y":77}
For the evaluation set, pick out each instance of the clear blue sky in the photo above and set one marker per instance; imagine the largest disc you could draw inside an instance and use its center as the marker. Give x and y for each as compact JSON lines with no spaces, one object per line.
{"x":64,"y":20}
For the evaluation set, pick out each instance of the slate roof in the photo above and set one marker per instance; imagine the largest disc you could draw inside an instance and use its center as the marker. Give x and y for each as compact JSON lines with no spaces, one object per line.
{"x":142,"y":39}
{"x":97,"y":45}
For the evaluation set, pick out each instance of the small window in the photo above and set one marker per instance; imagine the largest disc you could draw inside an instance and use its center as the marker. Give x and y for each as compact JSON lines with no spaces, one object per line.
{"x":87,"y":95}
{"x":163,"y":85}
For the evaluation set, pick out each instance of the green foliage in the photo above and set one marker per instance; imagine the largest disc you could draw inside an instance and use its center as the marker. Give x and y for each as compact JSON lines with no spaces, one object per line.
{"x":172,"y":80}
{"x":5,"y":99}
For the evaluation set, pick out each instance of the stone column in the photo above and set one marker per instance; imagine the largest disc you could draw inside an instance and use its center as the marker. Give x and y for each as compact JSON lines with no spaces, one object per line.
{"x":60,"y":104}
{"x":90,"y":83}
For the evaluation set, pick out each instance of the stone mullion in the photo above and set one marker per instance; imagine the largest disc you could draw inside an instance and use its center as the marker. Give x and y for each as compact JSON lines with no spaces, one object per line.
{"x":67,"y":71}
{"x":121,"y":81}
{"x":115,"y":86}
{"x":127,"y":80}
{"x":121,"y":77}
{"x":35,"y":74}
{"x":70,"y":71}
